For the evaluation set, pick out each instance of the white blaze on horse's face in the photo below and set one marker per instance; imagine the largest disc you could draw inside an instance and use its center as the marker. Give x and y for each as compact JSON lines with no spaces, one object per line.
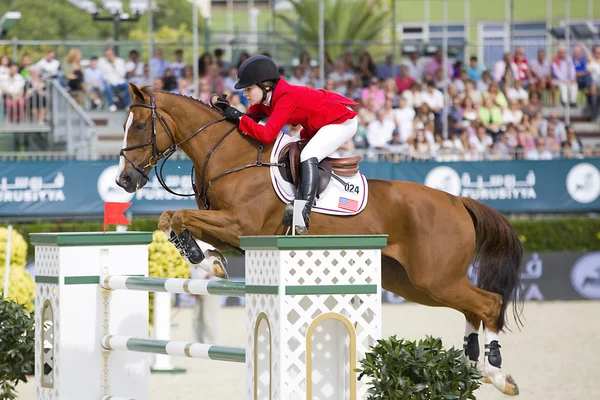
{"x":122,"y":159}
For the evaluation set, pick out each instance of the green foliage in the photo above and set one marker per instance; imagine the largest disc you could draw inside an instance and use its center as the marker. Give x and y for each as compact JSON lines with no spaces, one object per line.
{"x":21,"y":287}
{"x":409,"y":370}
{"x":164,"y":259}
{"x":565,"y":234}
{"x":18,"y":249}
{"x":17,"y":347}
{"x":346,"y":21}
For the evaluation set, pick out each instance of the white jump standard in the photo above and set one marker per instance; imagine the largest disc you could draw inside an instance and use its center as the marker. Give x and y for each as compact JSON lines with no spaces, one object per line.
{"x":313,"y":309}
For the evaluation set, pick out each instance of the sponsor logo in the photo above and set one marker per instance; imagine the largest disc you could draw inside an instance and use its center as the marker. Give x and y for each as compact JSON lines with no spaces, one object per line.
{"x":583,"y":183}
{"x":585,"y":276}
{"x":479,"y":187}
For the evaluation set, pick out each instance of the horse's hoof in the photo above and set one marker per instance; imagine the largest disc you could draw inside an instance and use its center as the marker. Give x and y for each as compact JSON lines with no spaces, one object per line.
{"x":215,"y":264}
{"x":510,"y":387}
{"x":301,"y":230}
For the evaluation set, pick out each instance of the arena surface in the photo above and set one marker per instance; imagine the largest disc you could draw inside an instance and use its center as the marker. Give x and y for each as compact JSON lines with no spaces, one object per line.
{"x":554,"y":357}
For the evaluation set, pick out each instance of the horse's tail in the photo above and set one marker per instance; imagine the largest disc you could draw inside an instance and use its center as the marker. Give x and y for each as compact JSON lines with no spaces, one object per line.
{"x":497,"y":257}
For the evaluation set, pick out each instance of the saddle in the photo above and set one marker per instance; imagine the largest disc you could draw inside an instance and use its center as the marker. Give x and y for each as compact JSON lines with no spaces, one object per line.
{"x":290,"y":159}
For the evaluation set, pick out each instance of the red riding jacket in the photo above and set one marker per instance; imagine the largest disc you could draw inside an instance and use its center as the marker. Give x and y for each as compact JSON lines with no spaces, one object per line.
{"x":297,"y":105}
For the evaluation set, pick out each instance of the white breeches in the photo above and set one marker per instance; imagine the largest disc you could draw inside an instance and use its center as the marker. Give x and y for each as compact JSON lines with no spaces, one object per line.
{"x":328,"y":139}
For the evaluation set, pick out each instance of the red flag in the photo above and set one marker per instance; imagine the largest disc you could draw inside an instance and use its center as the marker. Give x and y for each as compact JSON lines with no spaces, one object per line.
{"x":113,"y":214}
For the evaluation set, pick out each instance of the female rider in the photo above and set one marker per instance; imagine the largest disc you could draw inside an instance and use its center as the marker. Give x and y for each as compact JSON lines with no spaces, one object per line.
{"x":326,"y":118}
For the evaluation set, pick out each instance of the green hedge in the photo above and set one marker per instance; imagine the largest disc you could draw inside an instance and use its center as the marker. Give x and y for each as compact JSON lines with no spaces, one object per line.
{"x":568,"y":234}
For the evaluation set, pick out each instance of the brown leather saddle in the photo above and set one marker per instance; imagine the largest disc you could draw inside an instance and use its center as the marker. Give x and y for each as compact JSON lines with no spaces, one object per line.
{"x":290,"y":159}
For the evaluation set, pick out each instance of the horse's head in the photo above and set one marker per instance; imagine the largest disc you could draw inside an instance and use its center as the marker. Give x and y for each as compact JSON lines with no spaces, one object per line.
{"x":146,"y":140}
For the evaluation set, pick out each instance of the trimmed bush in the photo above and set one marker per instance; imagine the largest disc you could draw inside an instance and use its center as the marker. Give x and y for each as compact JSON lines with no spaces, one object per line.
{"x":17,"y":347}
{"x":399,"y":369}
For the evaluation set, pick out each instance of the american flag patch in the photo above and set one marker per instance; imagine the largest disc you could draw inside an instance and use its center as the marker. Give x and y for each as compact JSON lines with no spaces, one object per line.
{"x":347,"y":204}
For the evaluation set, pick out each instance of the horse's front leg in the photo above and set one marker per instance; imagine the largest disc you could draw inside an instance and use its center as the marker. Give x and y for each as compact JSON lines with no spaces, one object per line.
{"x":197,"y":230}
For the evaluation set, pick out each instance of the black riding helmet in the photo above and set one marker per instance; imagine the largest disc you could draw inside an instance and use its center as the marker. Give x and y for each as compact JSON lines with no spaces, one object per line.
{"x":256,"y":70}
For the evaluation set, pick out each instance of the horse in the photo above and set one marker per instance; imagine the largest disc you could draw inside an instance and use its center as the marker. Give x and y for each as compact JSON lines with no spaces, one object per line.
{"x":433,"y":236}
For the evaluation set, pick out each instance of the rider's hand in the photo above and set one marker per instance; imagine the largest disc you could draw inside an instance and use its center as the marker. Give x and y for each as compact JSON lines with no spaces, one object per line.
{"x":232,"y":114}
{"x":221,"y":102}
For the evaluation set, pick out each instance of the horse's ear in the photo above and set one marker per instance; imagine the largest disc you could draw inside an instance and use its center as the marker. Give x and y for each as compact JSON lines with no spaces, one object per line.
{"x":136,"y":93}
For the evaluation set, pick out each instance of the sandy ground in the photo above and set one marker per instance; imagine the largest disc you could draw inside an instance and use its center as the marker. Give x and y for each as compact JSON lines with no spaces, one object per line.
{"x":555,"y":356}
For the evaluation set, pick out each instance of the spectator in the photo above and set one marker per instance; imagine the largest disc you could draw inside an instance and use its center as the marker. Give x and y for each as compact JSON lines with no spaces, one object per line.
{"x":436,"y":63}
{"x":4,"y":69}
{"x":49,"y":66}
{"x":522,"y":72}
{"x":433,"y":98}
{"x":413,"y":96}
{"x":341,"y":77}
{"x":14,"y":90}
{"x":178,"y":65}
{"x":404,"y":118}
{"x":404,"y":80}
{"x":503,"y":67}
{"x":74,"y":75}
{"x":113,"y":68}
{"x":169,"y":80}
{"x":134,"y":68}
{"x":159,"y":83}
{"x":542,"y":75}
{"x":386,"y":70}
{"x":305,"y":64}
{"x":380,"y":131}
{"x":205,"y":60}
{"x":36,"y":95}
{"x":512,"y":114}
{"x":374,"y":92}
{"x":563,"y":73}
{"x":94,"y":80}
{"x":349,"y":62}
{"x":391,"y":92}
{"x":517,"y":92}
{"x":553,"y":127}
{"x":299,"y":78}
{"x":593,"y":67}
{"x":582,"y":76}
{"x":497,"y":96}
{"x":158,"y":65}
{"x":475,"y":69}
{"x":416,"y":69}
{"x":366,"y":69}
{"x":573,"y":141}
{"x":25,"y":64}
{"x":485,"y":82}
{"x":469,"y":112}
{"x":221,"y":63}
{"x":490,"y":116}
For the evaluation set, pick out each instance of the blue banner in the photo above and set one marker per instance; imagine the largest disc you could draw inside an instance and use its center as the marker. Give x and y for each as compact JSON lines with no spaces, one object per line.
{"x":75,"y":188}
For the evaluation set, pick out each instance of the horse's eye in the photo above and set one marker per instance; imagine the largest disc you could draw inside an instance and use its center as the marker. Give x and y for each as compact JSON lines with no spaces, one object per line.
{"x":140,"y":126}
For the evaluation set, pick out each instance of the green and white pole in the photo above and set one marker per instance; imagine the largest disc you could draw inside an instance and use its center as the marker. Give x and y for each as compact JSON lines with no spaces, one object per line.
{"x":174,"y":348}
{"x":174,"y":285}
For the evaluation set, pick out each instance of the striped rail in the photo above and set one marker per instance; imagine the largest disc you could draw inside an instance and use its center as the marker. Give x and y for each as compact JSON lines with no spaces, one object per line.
{"x":173,"y":285}
{"x":115,"y":398}
{"x":173,"y":348}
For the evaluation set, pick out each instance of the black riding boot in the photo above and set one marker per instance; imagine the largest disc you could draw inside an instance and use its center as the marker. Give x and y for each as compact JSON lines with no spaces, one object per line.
{"x":309,"y":184}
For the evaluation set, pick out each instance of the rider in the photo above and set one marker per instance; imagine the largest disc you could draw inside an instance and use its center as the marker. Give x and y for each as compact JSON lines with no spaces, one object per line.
{"x":326,"y":118}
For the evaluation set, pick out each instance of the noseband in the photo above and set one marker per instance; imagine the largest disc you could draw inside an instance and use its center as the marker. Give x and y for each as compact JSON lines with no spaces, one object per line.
{"x":164,"y":155}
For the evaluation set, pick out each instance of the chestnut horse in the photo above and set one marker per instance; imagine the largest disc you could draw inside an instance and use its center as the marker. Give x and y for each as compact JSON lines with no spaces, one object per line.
{"x":433,"y":236}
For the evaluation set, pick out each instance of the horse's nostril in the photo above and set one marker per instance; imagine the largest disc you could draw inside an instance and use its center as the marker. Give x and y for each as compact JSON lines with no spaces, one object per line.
{"x":126,"y":179}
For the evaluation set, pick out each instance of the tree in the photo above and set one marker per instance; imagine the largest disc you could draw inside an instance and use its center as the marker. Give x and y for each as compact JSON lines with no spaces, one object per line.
{"x":346,"y":21}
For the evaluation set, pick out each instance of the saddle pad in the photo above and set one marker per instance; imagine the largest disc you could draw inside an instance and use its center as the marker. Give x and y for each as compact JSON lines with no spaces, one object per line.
{"x":337,"y":199}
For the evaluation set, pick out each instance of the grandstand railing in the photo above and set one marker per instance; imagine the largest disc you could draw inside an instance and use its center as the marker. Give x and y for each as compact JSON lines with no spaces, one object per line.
{"x":72,"y":127}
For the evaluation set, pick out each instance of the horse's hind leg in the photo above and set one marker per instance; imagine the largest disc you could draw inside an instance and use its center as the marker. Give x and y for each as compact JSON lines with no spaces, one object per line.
{"x":486,"y":306}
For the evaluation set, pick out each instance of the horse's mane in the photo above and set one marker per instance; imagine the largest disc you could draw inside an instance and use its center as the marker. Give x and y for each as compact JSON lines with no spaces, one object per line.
{"x":148,"y":89}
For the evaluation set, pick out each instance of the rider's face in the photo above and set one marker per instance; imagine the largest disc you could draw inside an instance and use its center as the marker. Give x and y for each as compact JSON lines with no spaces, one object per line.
{"x":254,"y":94}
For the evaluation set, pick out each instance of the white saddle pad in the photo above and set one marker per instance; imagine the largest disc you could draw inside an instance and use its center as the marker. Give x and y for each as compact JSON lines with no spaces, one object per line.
{"x":349,"y":198}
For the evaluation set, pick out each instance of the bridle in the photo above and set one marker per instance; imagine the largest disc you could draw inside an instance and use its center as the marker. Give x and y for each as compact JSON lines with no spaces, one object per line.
{"x":164,"y":155}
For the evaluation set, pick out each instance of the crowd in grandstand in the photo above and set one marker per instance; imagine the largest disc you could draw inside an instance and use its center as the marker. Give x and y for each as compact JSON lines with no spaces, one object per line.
{"x":491,"y":114}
